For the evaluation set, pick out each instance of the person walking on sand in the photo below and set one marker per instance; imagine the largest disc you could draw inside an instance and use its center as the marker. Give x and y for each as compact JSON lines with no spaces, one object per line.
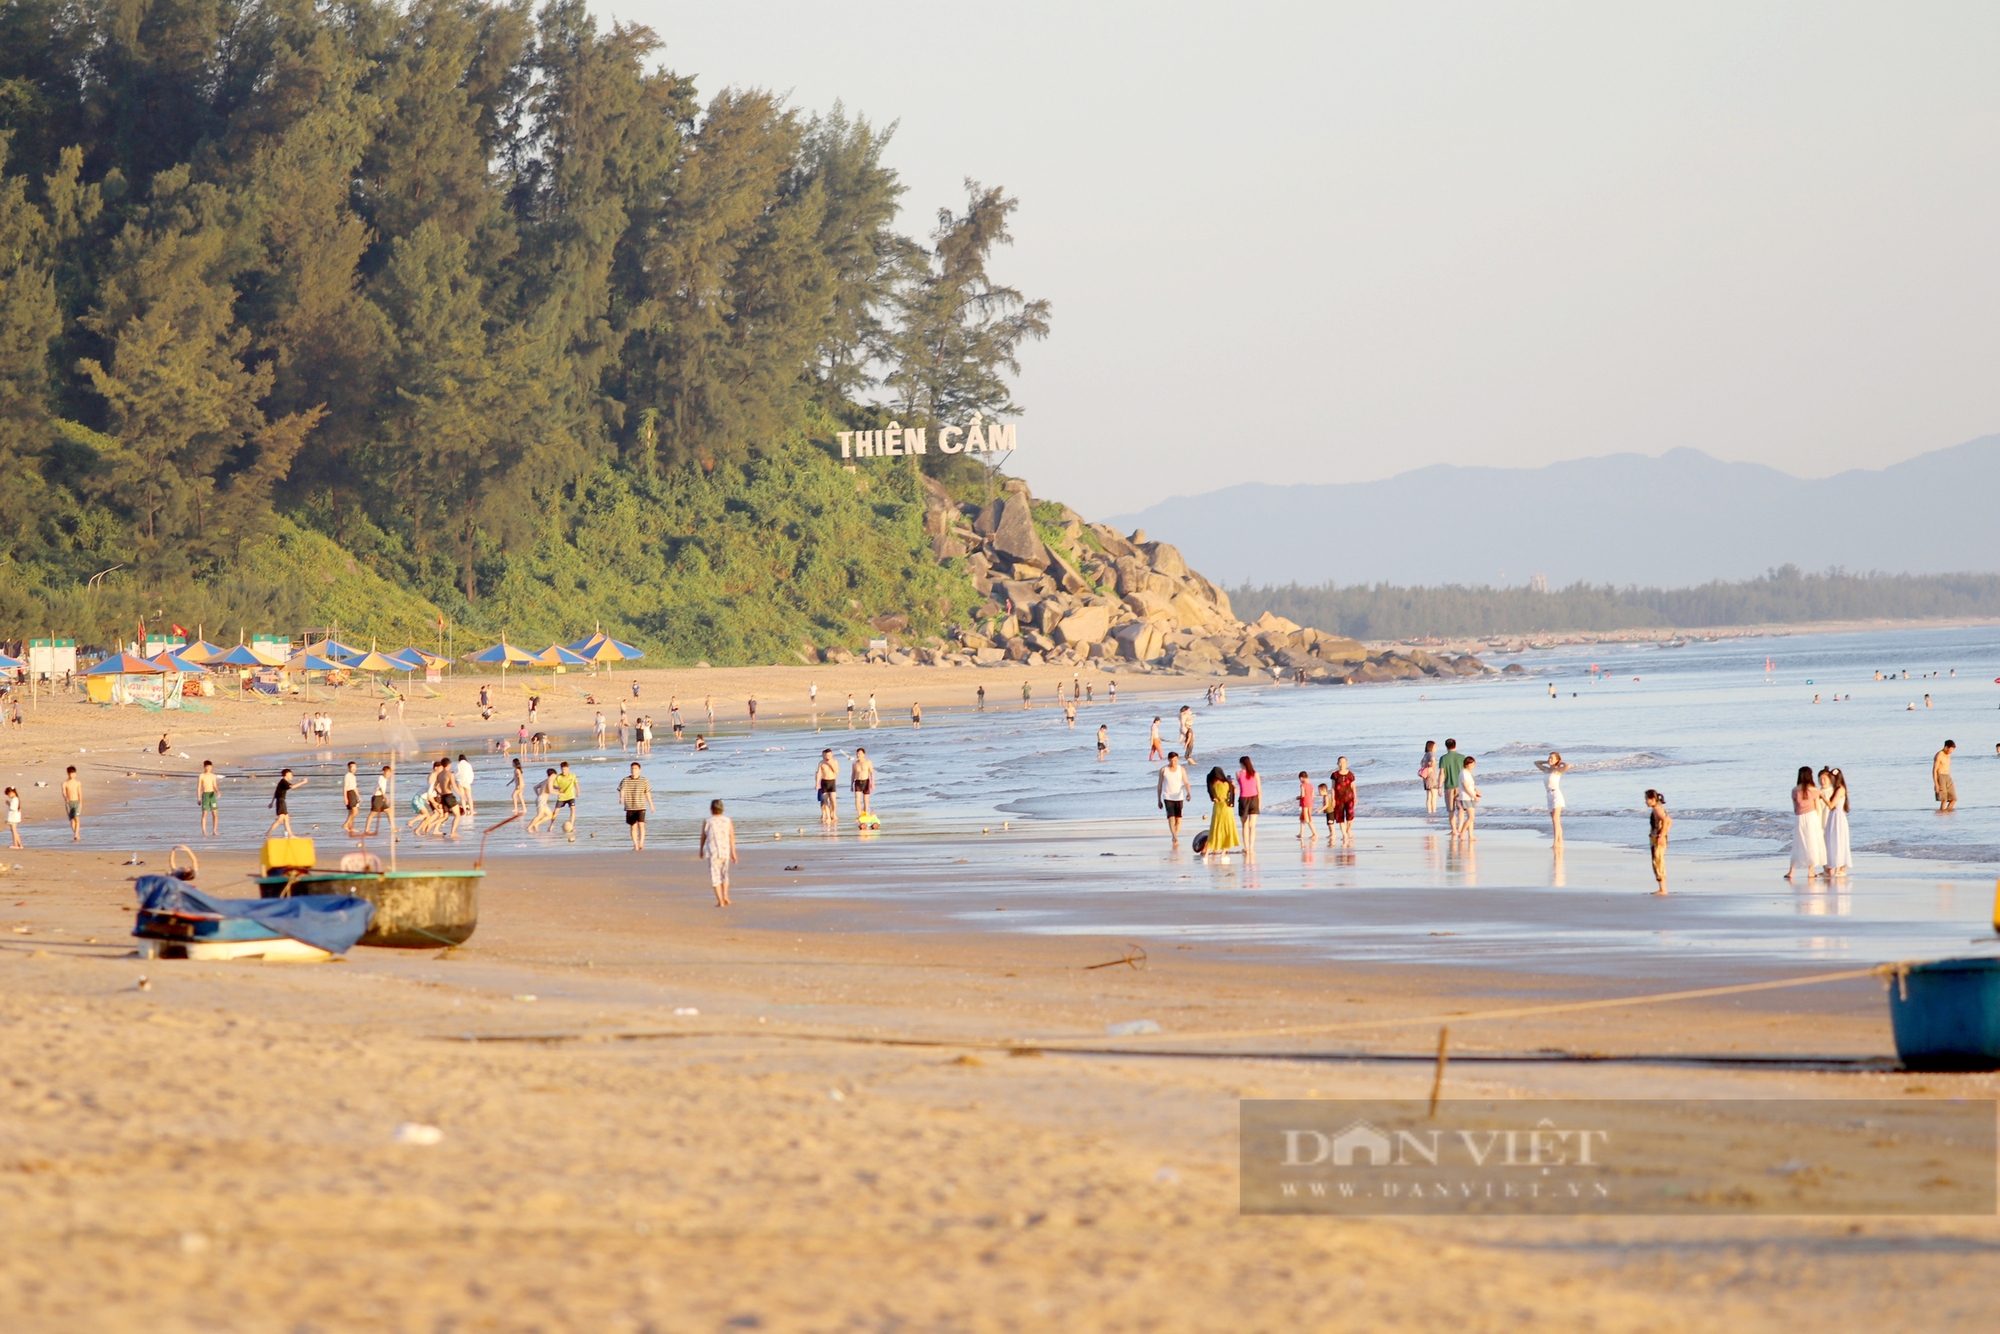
{"x":597,"y":730}
{"x":1249,"y":800}
{"x":1553,"y":768}
{"x":14,"y":816}
{"x":1658,"y":826}
{"x":1171,"y":794}
{"x":850,"y":710}
{"x":1343,"y":803}
{"x":72,"y":795}
{"x":1808,"y":827}
{"x":280,"y":803}
{"x":378,"y":801}
{"x":350,"y":796}
{"x":1839,"y":847}
{"x":1307,"y":832}
{"x":827,"y":781}
{"x":1222,"y":831}
{"x":718,"y":844}
{"x":1942,"y":785}
{"x":862,"y":779}
{"x":1103,"y":742}
{"x":1431,"y":777}
{"x":208,"y":796}
{"x":636,"y":794}
{"x":1154,"y":752}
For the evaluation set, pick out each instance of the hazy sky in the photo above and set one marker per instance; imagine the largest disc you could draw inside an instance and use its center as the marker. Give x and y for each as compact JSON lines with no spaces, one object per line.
{"x":1324,"y":242}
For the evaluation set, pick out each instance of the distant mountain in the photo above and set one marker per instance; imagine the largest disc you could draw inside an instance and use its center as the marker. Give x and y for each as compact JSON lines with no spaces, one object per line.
{"x":1683,"y":518}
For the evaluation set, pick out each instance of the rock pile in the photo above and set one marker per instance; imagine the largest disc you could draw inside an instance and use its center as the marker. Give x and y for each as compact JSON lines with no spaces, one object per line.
{"x":1066,"y":591}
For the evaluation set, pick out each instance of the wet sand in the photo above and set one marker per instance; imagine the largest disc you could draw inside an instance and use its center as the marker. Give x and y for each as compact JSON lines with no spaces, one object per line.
{"x":214,"y":1152}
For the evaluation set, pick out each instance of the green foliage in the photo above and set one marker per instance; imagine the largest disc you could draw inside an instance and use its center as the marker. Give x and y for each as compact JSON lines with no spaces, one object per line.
{"x":462,"y":296}
{"x":1785,"y":596}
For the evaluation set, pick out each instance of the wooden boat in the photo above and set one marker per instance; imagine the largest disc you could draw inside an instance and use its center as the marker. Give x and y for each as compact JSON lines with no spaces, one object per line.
{"x":189,"y":936}
{"x":414,"y":910}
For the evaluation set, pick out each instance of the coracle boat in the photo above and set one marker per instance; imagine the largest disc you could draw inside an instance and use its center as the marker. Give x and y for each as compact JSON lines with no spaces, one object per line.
{"x":414,"y":910}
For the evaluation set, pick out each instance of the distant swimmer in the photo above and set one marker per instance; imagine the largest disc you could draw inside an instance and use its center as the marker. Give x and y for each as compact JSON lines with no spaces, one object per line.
{"x":1069,"y":712}
{"x":1941,"y":781}
{"x":1103,"y":741}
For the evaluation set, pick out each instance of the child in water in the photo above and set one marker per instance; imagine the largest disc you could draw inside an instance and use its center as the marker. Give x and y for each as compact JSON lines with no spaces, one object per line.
{"x":1661,"y":824}
{"x":1307,"y":806}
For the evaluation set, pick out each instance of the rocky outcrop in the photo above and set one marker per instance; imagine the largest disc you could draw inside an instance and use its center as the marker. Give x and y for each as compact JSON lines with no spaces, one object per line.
{"x":1063,"y":590}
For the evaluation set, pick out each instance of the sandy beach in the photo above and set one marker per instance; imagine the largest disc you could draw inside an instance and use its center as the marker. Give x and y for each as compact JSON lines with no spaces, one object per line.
{"x":844,"y":1111}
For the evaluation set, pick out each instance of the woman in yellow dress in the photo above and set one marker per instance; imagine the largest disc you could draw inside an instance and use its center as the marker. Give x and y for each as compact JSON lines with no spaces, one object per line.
{"x":1222,"y":832}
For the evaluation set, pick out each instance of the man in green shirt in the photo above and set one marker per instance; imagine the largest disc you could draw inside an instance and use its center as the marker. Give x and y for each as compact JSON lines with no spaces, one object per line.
{"x":1452,"y":768}
{"x":563,"y":786}
{"x":637,"y":795}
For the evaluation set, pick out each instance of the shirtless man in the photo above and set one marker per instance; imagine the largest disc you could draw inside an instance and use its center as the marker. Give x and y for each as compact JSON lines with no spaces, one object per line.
{"x":1103,"y":741}
{"x":1941,"y":783}
{"x":863,"y":781}
{"x":827,"y":780}
{"x":72,"y":793}
{"x":209,"y":794}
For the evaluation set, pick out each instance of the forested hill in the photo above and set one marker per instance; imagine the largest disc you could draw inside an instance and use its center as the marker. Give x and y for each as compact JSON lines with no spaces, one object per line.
{"x":462,"y":309}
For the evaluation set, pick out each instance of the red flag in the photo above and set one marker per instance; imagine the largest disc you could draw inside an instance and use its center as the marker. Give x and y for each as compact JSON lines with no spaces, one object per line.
{"x":179,"y":631}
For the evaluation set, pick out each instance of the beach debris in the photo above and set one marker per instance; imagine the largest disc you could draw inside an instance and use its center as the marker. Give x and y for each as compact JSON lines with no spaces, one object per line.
{"x":966,"y":1059}
{"x":1166,"y":1176}
{"x":1437,"y":1080}
{"x":133,"y":860}
{"x":1134,"y":957}
{"x":525,"y":996}
{"x":795,"y":868}
{"x":1132,"y":1028}
{"x":193,"y":1243}
{"x":144,"y":984}
{"x":416,"y":1132}
{"x":1790,"y":1167}
{"x":836,"y":1095}
{"x":22,"y":931}
{"x":686,"y":1010}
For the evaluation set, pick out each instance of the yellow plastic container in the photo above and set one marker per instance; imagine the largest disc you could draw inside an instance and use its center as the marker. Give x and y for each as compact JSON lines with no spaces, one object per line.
{"x":287,"y":854}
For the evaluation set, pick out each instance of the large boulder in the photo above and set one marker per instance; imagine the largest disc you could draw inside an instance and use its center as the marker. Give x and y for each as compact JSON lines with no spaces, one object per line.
{"x":1149,"y":606}
{"x":1111,"y":540}
{"x":1190,"y":610}
{"x":1166,"y":559}
{"x":1269,"y":622}
{"x":1140,"y":641}
{"x":1065,"y":573}
{"x":1340,"y":650}
{"x":1086,"y":625}
{"x":1014,"y":534}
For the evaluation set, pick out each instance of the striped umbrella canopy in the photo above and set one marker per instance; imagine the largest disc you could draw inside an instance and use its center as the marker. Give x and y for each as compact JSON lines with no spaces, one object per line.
{"x":371,"y":661}
{"x":168,"y":660}
{"x":502,"y":653}
{"x":8,"y":664}
{"x":201,"y":651}
{"x":555,"y":655}
{"x":240,"y":656}
{"x":124,"y":664}
{"x":601,"y":647}
{"x":310,"y":662}
{"x":423,"y":657}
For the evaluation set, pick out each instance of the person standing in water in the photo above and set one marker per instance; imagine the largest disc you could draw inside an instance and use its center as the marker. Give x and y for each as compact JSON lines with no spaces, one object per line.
{"x":826,"y":779}
{"x":518,"y":782}
{"x":1658,"y":826}
{"x":1172,"y":793}
{"x":982,"y":697}
{"x":1222,"y":830}
{"x":1942,"y":785}
{"x":208,"y":793}
{"x":1433,"y":780}
{"x":72,"y":795}
{"x":862,"y":780}
{"x":1465,"y":803}
{"x":1249,"y":800}
{"x":1307,"y":832}
{"x":1343,"y":803}
{"x":350,"y":796}
{"x":1154,"y":752}
{"x":280,"y":803}
{"x":378,"y":802}
{"x":1554,"y":768}
{"x":1839,"y":847}
{"x":636,"y":795}
{"x":1103,"y":742}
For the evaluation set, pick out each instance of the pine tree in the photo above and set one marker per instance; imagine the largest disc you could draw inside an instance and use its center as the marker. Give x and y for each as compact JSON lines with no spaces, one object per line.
{"x":29,"y":323}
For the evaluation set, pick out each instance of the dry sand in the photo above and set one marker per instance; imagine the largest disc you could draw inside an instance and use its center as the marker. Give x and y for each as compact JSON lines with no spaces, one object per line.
{"x":214,"y":1151}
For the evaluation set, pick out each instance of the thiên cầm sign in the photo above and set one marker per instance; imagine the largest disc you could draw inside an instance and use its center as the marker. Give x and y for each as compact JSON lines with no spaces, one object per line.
{"x":895,"y":441}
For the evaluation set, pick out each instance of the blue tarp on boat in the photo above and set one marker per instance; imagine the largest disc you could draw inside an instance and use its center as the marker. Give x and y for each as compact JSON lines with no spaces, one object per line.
{"x":327,"y":921}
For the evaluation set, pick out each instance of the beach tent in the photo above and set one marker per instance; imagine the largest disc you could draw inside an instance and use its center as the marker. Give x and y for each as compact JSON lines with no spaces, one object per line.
{"x":109,"y":682}
{"x":170,"y":661}
{"x":201,"y":651}
{"x":124,"y":664}
{"x":423,"y":656}
{"x":240,"y":656}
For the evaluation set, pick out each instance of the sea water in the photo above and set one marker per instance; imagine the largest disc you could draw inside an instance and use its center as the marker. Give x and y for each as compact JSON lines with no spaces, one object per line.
{"x":1005,"y":818}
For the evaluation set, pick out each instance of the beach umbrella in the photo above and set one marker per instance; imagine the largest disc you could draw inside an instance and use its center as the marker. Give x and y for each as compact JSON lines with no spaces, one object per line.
{"x":168,"y":660}
{"x":555,"y":655}
{"x":333,"y":648}
{"x":371,"y":661}
{"x":601,"y":647}
{"x":502,"y":653}
{"x":310,"y":662}
{"x":8,"y":664}
{"x":201,"y":651}
{"x":240,"y":656}
{"x":124,"y":664}
{"x":423,"y":656}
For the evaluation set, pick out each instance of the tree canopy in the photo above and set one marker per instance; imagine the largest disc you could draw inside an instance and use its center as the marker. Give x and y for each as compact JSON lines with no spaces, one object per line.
{"x":431,"y":280}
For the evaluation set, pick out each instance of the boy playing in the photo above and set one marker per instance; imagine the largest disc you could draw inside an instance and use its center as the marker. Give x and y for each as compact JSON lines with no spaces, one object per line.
{"x":1307,"y":806}
{"x":718,"y":844}
{"x":1466,"y":808}
{"x":278,"y":801}
{"x":378,"y":802}
{"x":1661,"y":823}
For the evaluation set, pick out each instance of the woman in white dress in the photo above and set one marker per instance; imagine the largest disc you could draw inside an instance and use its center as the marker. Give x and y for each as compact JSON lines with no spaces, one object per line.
{"x":1554,"y":768}
{"x":1839,"y":855}
{"x":1808,"y":829}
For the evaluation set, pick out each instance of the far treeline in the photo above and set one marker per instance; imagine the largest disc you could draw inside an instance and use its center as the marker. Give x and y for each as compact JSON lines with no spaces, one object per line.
{"x":463,"y":309}
{"x":1785,"y":596}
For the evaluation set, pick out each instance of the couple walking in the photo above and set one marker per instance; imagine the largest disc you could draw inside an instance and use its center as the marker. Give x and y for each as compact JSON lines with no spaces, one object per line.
{"x":1819,"y":833}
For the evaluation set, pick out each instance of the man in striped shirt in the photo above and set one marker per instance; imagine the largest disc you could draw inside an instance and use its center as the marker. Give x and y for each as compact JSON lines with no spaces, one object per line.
{"x":637,"y":794}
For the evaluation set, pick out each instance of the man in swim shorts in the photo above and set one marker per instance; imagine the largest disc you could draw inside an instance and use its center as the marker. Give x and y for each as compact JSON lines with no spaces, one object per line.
{"x":72,"y":794}
{"x":1172,"y":792}
{"x":209,"y":792}
{"x":378,"y":803}
{"x":1941,"y":781}
{"x":827,"y":779}
{"x":863,"y":782}
{"x":637,"y":796}
{"x":350,"y":795}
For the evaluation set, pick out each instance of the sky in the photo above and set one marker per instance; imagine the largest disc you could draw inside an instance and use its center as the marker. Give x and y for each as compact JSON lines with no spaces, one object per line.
{"x":1334,"y":242}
